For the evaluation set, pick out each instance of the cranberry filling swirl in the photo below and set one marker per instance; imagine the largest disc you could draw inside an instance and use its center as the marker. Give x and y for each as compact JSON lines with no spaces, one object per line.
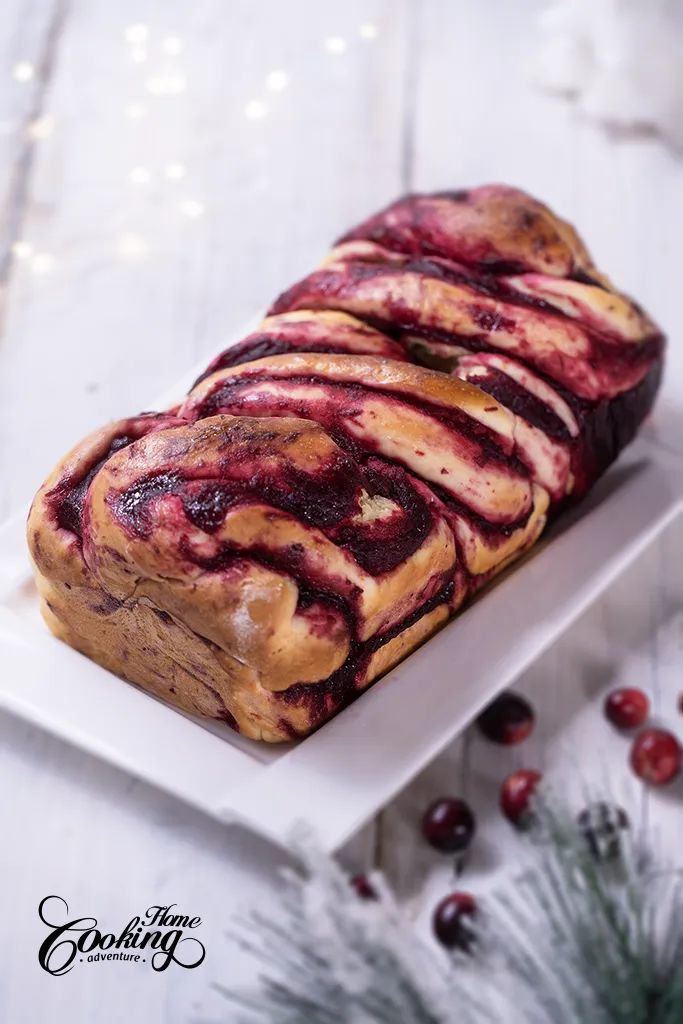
{"x":305,"y":330}
{"x":396,"y":432}
{"x":490,"y":269}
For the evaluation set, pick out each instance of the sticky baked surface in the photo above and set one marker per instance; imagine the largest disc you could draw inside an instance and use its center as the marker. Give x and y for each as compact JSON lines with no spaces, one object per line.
{"x":398,"y":430}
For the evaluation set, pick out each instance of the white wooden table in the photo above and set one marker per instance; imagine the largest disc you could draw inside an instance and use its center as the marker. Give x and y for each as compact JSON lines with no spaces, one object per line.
{"x":126,"y":282}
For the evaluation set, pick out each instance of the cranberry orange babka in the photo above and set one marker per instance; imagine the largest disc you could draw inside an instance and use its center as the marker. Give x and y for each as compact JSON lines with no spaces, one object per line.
{"x":399,"y":429}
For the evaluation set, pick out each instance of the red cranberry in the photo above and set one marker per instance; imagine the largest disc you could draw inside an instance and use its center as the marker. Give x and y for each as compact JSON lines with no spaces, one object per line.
{"x":448,"y":825}
{"x":516,"y":793}
{"x":601,"y":825}
{"x":508,"y":720}
{"x":627,"y":707}
{"x":656,"y":756}
{"x":364,"y":887}
{"x":453,"y":919}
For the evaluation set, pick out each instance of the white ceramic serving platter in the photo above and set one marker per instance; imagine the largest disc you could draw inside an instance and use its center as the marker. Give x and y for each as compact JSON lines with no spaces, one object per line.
{"x":341,"y":776}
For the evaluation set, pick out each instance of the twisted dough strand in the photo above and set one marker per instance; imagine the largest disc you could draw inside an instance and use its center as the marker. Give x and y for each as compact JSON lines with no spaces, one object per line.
{"x":397,"y":431}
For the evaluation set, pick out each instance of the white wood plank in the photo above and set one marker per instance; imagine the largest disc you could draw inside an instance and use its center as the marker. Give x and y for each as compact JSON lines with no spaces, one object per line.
{"x":29,"y":41}
{"x":478,"y":119}
{"x":112,"y":847}
{"x":98,"y":330}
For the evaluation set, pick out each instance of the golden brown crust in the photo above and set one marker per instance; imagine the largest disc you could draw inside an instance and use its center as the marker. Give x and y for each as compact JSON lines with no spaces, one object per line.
{"x":385,"y":374}
{"x":236,"y":636}
{"x":561,"y":347}
{"x":493,"y":268}
{"x":307,"y":330}
{"x":407,"y":413}
{"x":493,"y":225}
{"x":602,"y":308}
{"x":261,"y":553}
{"x":329,"y":327}
{"x":147,"y":645}
{"x":55,"y":551}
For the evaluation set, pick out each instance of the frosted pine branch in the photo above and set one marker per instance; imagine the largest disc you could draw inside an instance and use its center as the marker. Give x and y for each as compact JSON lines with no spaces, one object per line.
{"x":331,"y":958}
{"x":571,"y":940}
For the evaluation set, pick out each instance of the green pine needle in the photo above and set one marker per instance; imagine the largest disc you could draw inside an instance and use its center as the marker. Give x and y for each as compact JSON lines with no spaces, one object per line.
{"x":571,"y":940}
{"x":330,"y":958}
{"x":585,"y":940}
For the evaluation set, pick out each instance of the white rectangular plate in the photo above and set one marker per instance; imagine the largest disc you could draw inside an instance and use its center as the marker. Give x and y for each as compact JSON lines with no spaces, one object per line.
{"x":339,"y":777}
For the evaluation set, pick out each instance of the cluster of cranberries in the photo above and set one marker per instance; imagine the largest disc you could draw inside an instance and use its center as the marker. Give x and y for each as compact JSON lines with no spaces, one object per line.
{"x":656,"y":754}
{"x":449,"y":824}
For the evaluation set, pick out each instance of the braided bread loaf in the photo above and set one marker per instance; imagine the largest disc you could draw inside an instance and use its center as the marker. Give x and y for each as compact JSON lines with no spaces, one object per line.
{"x":398,"y":430}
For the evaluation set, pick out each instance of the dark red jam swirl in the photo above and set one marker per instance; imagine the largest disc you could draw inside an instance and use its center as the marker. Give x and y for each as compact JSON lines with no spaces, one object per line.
{"x":615,"y":365}
{"x":331,"y":500}
{"x":68,"y":497}
{"x":341,"y":688}
{"x":514,"y":396}
{"x":66,"y":500}
{"x":265,"y":345}
{"x":339,"y":402}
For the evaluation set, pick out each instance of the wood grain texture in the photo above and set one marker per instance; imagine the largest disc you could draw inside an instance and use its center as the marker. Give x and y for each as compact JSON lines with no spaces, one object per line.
{"x":440,"y":97}
{"x":113,"y":332}
{"x":29,"y":43}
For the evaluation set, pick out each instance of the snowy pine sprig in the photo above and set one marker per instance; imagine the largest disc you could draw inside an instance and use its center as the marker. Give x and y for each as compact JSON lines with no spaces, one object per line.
{"x":330,"y":958}
{"x":586,"y":939}
{"x":572,"y":939}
